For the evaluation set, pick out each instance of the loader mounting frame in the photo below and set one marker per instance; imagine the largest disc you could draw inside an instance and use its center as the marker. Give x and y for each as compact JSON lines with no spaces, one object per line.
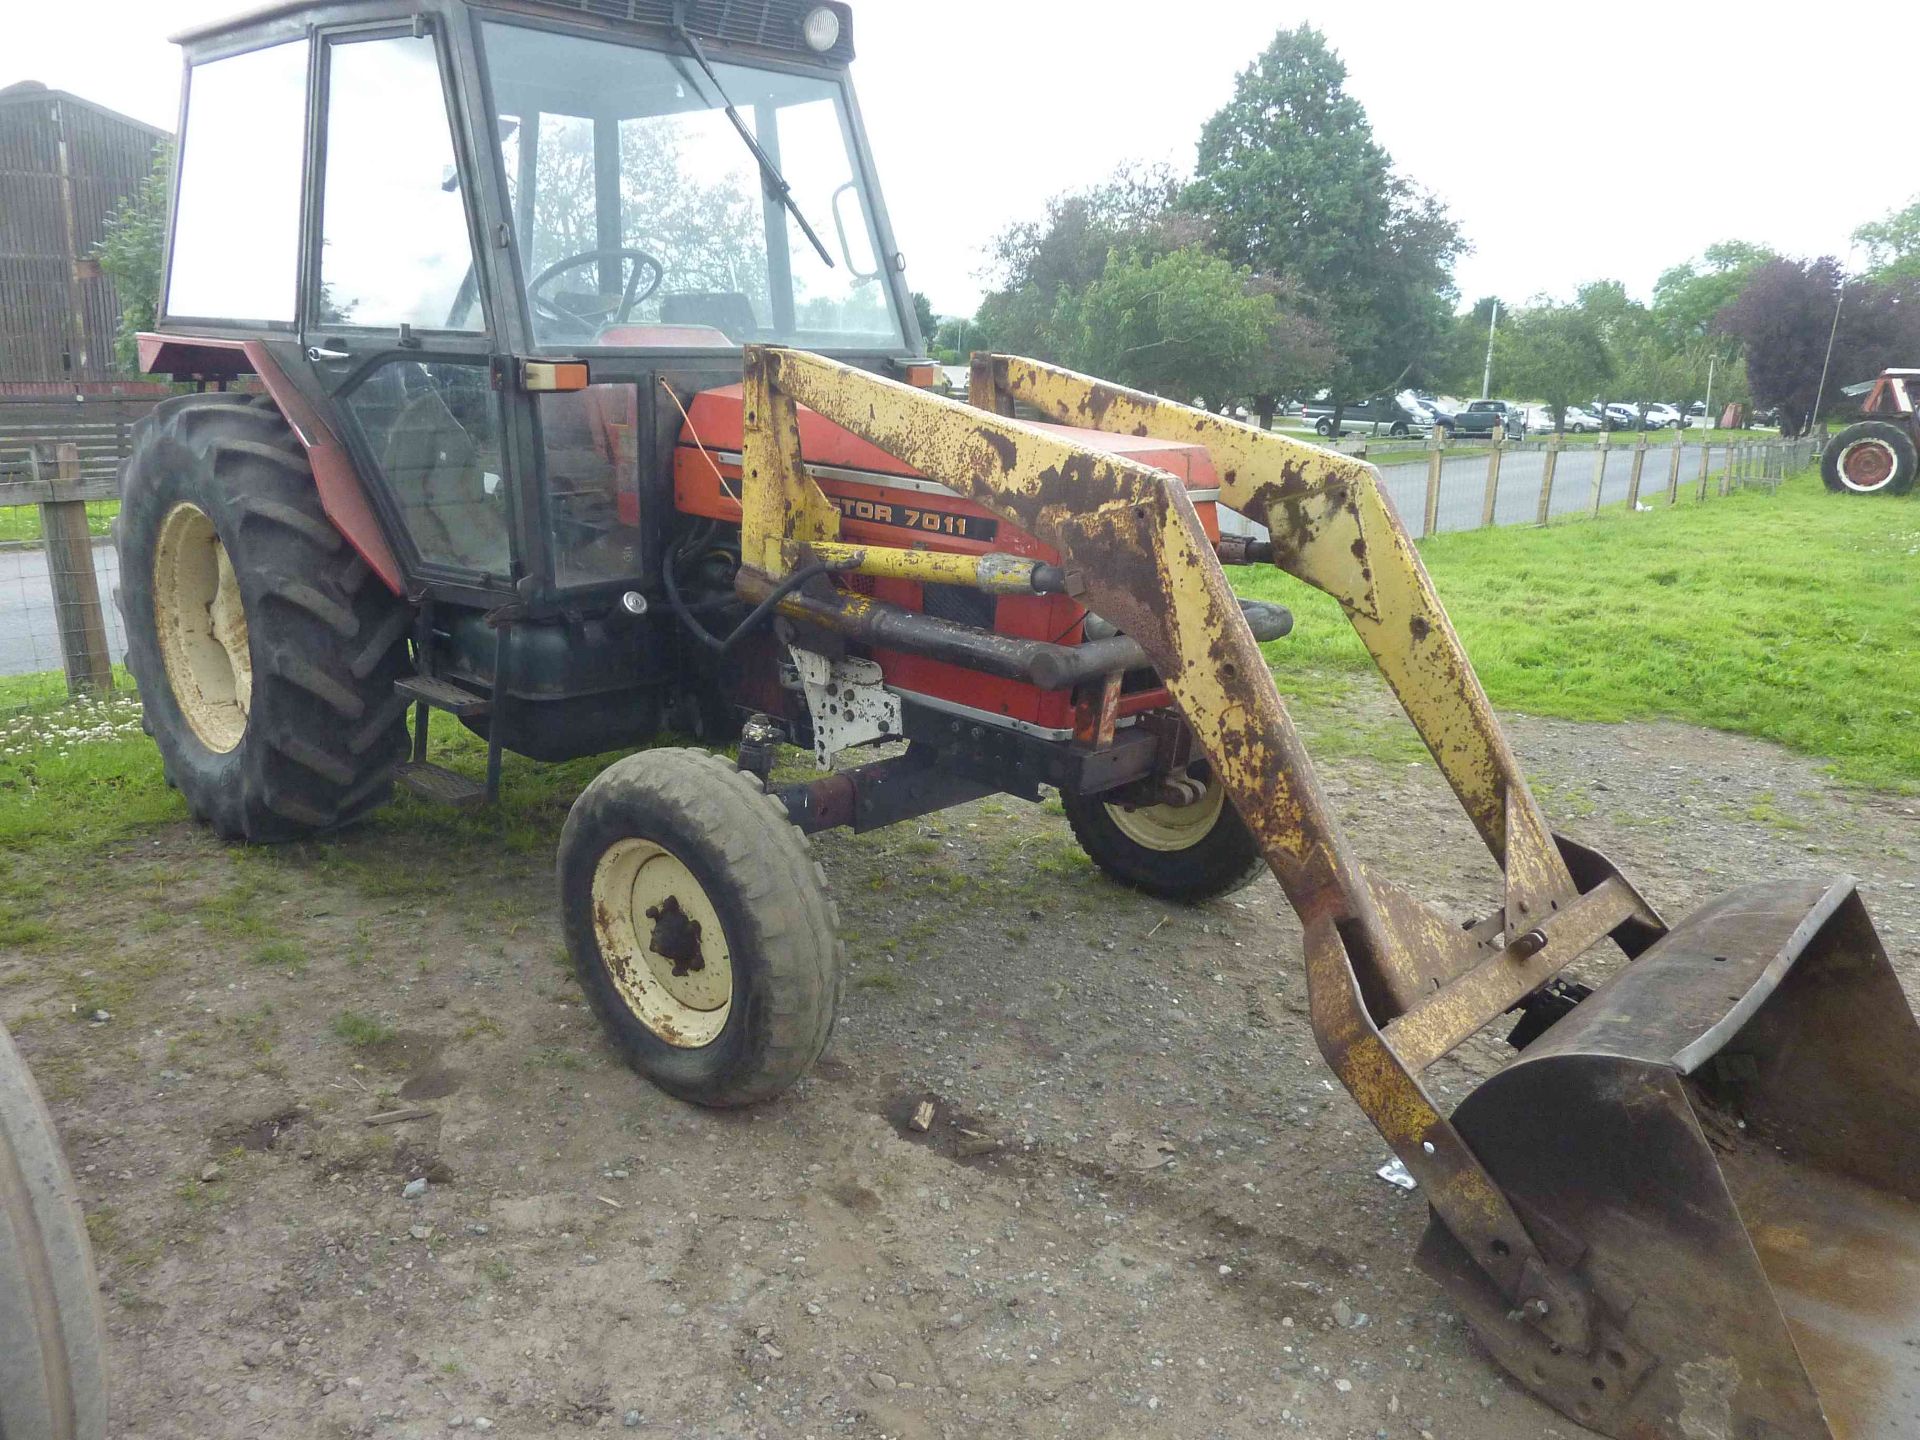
{"x":1393,"y":984}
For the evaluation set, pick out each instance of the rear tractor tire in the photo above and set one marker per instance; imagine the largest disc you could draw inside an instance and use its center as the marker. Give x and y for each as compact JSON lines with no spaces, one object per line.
{"x":1175,"y":852}
{"x":1872,"y":457}
{"x":265,"y":649}
{"x":700,"y":927}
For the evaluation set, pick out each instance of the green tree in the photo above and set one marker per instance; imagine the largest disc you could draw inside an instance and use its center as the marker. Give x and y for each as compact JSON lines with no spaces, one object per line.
{"x":1040,"y":261}
{"x":1555,"y":353}
{"x":129,"y":253}
{"x":1185,"y":325}
{"x":1687,"y":296}
{"x":1291,"y":183}
{"x":1892,"y":244}
{"x":923,"y":311}
{"x":1460,"y":358}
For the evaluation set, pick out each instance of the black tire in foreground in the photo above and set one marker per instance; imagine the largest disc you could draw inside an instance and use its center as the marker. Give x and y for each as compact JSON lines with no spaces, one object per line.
{"x":700,"y":927}
{"x":1185,"y":852}
{"x":52,"y":1357}
{"x":264,"y":648}
{"x":1871,"y":457}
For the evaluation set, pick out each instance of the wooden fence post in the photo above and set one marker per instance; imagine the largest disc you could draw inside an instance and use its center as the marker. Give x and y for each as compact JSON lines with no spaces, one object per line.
{"x":76,"y":591}
{"x":1673,"y":467}
{"x":1493,"y":474}
{"x":1435,"y":451}
{"x":1726,"y":472}
{"x":1599,"y":471}
{"x":1706,"y":449}
{"x":1546,"y":477}
{"x":1633,"y":479}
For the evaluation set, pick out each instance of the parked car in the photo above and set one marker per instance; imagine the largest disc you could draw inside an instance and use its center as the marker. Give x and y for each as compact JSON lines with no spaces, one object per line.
{"x":1664,"y":417}
{"x":1483,"y":417}
{"x":1619,"y":416}
{"x":1697,"y":414}
{"x":1581,"y":421}
{"x":1378,"y":415}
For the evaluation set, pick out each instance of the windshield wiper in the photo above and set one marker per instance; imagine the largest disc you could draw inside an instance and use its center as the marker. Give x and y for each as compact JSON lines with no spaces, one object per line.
{"x":769,"y":172}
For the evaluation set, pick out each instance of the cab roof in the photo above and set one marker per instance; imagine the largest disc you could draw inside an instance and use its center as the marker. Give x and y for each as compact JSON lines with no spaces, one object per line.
{"x":764,"y":24}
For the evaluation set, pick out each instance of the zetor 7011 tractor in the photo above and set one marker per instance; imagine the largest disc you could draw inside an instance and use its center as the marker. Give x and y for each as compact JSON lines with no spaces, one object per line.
{"x":588,"y":403}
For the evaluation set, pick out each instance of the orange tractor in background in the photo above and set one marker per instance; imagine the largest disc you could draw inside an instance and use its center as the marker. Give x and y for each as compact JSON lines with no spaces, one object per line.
{"x":1877,"y":455}
{"x":590,"y":405}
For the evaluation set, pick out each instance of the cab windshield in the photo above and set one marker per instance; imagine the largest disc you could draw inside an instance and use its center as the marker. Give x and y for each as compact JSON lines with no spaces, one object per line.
{"x":642,"y":216}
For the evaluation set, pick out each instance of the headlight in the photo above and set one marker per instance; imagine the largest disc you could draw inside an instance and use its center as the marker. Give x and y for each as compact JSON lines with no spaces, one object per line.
{"x":821,"y":28}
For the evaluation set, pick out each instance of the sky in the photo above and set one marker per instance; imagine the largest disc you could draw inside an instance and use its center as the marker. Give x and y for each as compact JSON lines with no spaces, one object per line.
{"x":1569,"y":143}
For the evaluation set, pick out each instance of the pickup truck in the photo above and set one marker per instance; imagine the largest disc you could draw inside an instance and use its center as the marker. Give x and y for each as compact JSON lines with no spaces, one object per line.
{"x":1379,"y":415}
{"x":1483,"y":417}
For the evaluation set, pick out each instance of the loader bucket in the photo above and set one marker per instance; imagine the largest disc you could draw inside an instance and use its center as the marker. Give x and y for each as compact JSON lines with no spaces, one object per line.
{"x":1723,"y":1142}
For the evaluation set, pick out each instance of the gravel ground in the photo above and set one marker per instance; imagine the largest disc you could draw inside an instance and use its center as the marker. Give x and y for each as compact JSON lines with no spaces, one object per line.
{"x":1144,"y":1208}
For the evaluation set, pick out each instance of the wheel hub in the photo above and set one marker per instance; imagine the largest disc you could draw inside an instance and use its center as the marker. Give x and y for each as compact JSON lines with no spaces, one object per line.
{"x":663,"y":943}
{"x":1171,"y":827}
{"x":201,"y":624}
{"x":1867,"y":465}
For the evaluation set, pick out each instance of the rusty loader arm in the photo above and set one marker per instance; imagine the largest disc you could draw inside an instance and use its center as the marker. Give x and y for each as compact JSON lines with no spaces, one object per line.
{"x":1394,"y":985}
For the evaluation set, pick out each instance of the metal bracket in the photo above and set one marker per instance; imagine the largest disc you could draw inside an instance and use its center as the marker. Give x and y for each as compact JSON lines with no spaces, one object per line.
{"x":848,"y":703}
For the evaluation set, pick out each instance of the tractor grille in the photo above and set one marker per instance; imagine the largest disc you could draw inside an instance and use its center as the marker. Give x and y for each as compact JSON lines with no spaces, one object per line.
{"x":952,"y":602}
{"x":771,"y":24}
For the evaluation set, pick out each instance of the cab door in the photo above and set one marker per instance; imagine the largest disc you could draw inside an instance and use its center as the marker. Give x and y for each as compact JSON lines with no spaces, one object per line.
{"x":396,"y":323}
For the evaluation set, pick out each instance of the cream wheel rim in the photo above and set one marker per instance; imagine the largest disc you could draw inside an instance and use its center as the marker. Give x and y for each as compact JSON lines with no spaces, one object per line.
{"x":202,"y":628}
{"x":1171,"y":827}
{"x":662,"y":943}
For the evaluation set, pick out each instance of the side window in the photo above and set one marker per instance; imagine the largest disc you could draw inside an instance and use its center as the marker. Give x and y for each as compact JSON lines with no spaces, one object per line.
{"x":236,"y":228}
{"x":590,"y":444}
{"x":433,"y":428}
{"x":395,"y":249}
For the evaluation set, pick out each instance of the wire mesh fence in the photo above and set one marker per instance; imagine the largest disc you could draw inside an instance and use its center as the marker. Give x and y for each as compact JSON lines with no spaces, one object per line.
{"x":36,"y":633}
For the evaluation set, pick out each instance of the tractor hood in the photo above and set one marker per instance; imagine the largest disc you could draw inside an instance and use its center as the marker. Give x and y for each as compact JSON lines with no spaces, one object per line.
{"x":715,"y":424}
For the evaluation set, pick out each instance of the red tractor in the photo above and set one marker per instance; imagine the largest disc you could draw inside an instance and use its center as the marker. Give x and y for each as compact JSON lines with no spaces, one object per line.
{"x":490,"y":271}
{"x":590,"y":406}
{"x":1876,"y":455}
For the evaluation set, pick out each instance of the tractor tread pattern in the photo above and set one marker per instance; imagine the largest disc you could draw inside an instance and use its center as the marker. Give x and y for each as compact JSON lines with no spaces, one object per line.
{"x":323,"y":738}
{"x":780,"y":910}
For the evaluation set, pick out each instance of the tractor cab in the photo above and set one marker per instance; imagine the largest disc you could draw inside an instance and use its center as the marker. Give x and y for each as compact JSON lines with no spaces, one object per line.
{"x":506,"y":245}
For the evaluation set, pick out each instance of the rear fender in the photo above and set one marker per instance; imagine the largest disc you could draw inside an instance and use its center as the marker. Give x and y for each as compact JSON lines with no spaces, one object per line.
{"x":342,"y":495}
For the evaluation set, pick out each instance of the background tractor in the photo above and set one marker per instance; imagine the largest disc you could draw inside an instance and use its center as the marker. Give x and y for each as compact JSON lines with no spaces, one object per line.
{"x":1876,"y":455}
{"x":586,"y":403}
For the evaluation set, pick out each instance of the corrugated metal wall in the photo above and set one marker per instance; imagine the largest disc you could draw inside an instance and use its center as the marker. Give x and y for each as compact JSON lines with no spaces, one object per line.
{"x":57,"y":314}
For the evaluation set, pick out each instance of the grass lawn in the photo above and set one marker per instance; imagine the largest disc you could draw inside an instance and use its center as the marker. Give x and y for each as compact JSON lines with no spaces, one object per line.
{"x":1794,"y":617}
{"x":22,"y":522}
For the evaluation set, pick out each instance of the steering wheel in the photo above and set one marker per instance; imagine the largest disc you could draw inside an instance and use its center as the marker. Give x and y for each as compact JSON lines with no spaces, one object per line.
{"x":602,"y":310}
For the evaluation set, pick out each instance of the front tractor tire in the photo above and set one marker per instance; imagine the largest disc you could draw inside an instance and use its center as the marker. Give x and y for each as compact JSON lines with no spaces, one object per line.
{"x":265,"y":649}
{"x":1187,"y":853}
{"x":700,"y":927}
{"x":1871,"y":457}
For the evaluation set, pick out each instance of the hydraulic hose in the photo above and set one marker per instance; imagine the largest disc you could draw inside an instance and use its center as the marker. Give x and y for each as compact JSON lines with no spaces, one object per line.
{"x":746,"y":627}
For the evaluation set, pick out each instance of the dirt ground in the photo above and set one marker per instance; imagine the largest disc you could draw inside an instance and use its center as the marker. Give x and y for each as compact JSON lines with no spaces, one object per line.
{"x":1144,"y":1209}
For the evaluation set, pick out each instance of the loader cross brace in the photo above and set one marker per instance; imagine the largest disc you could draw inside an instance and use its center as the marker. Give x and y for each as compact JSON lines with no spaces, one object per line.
{"x":1393,"y":984}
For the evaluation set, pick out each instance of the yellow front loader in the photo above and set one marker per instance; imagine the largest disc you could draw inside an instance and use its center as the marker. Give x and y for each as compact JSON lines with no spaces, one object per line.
{"x":1690,"y":1207}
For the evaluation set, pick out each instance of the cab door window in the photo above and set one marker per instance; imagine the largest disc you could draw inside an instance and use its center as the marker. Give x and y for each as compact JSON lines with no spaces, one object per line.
{"x":394,"y":248}
{"x":432,"y":427}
